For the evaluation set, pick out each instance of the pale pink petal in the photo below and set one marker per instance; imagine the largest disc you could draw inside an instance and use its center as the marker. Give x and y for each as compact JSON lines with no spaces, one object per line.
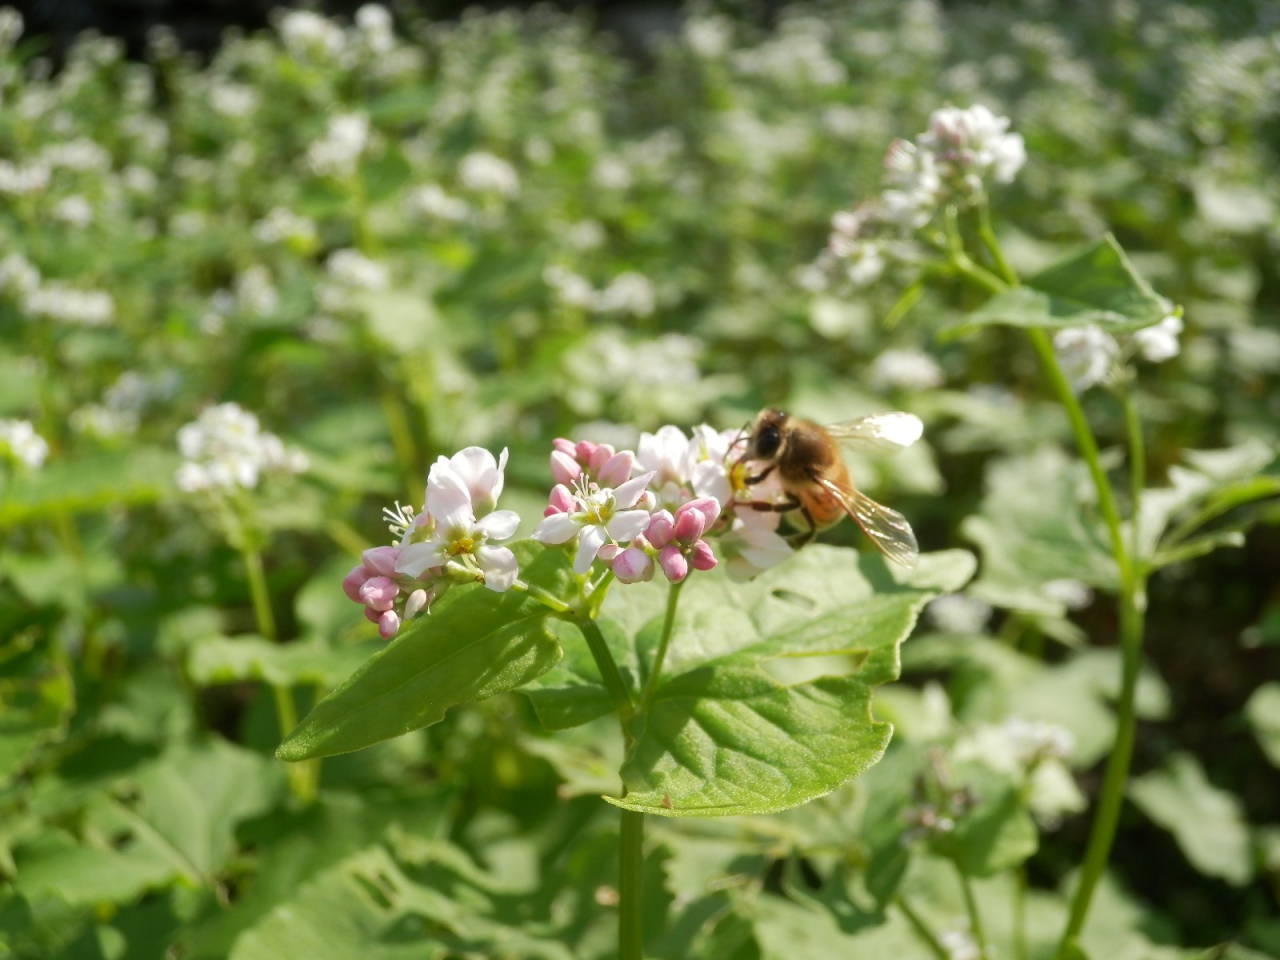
{"x":500,"y":567}
{"x":709,"y":507}
{"x":354,"y":580}
{"x":689,"y":525}
{"x":661,"y":529}
{"x":633,"y":565}
{"x":447,"y":494}
{"x":701,"y":556}
{"x":673,"y":564}
{"x":564,"y":469}
{"x":380,"y":561}
{"x":617,"y":469}
{"x":379,"y":593}
{"x":388,"y":624}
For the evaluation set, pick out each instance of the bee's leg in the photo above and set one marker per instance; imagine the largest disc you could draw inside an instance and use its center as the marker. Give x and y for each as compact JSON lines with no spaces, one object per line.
{"x":775,"y":506}
{"x":798,"y":541}
{"x":760,"y":477}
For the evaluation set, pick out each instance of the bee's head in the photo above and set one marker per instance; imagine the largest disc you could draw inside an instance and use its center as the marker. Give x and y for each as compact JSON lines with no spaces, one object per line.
{"x":766,"y":434}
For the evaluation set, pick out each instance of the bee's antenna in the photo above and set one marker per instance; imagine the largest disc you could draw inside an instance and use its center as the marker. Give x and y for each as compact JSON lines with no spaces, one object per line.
{"x":743,"y":436}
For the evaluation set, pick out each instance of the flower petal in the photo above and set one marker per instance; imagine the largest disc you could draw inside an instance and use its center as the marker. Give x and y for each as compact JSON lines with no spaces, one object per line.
{"x":556,"y":528}
{"x":588,"y":546}
{"x":447,"y":493}
{"x":499,"y":525}
{"x":626,"y":525}
{"x":500,"y":567}
{"x":419,"y":557}
{"x":627,"y":494}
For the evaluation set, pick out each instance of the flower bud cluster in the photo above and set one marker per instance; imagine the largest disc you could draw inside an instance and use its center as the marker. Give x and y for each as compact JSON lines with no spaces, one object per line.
{"x":225,"y":448}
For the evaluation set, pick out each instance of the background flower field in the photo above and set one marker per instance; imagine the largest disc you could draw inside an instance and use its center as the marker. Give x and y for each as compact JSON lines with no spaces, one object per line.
{"x":389,"y":239}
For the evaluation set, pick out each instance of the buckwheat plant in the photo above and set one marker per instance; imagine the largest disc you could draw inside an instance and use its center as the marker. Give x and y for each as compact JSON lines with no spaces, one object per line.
{"x":1092,"y":322}
{"x":655,"y":588}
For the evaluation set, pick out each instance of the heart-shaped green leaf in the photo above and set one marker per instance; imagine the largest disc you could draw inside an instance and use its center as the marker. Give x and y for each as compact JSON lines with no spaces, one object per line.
{"x":473,"y":643}
{"x":765,"y":700}
{"x":1097,"y":286}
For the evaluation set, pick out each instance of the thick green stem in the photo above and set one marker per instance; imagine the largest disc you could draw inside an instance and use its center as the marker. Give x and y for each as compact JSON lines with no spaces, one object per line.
{"x":655,"y":671}
{"x":304,"y":775}
{"x":630,"y":881}
{"x":971,"y":907}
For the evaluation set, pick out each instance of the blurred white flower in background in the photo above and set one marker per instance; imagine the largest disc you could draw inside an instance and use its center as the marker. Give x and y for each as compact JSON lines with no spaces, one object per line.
{"x":18,"y":276}
{"x":375,"y":28}
{"x":23,"y":443}
{"x":74,"y":211}
{"x":974,"y":144}
{"x":282,"y":225}
{"x":958,"y":613}
{"x":234,"y":100}
{"x":23,"y":180}
{"x":1072,"y":594}
{"x":309,"y":35}
{"x":353,"y":269}
{"x":226,"y":448}
{"x":84,"y":308}
{"x":483,"y":172}
{"x":1159,"y":342}
{"x":83,"y":155}
{"x":430,"y":200}
{"x":900,"y":369}
{"x":337,"y":153}
{"x":630,"y":293}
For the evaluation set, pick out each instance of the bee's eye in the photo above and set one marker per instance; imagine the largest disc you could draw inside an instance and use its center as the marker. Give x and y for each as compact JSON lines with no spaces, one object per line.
{"x":768,"y":441}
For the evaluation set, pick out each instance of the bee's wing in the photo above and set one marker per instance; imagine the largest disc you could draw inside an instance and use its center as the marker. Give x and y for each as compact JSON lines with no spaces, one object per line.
{"x":887,"y":529}
{"x":879,"y":433}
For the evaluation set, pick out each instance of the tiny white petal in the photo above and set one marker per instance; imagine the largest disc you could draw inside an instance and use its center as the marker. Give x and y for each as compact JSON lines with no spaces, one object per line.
{"x":500,"y":567}
{"x":588,"y":546}
{"x":418,"y":557}
{"x":627,"y":524}
{"x":628,"y":493}
{"x":499,"y":525}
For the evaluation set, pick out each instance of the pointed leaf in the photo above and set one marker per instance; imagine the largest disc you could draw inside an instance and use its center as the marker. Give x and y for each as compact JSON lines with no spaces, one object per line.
{"x":472,"y":644}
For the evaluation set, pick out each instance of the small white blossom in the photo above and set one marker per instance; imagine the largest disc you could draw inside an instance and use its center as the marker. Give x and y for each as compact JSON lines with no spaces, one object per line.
{"x":430,"y":200}
{"x":354,"y":270}
{"x":1159,"y":343}
{"x":234,"y":100}
{"x":974,"y":143}
{"x":905,"y":370}
{"x":375,"y":27}
{"x":85,"y":308}
{"x":11,"y":26}
{"x":75,"y":211}
{"x":1072,"y":594}
{"x":282,"y":225}
{"x":19,"y":277}
{"x":23,"y":443}
{"x":629,"y":293}
{"x":306,"y":34}
{"x":22,"y":181}
{"x":958,"y":613}
{"x":256,"y":293}
{"x":959,"y":944}
{"x":483,"y":172}
{"x":337,"y":153}
{"x":1086,"y":355}
{"x":597,"y":515}
{"x":226,"y":448}
{"x":82,"y":154}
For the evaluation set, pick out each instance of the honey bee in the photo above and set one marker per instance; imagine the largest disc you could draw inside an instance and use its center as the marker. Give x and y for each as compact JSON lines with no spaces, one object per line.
{"x":815,"y":481}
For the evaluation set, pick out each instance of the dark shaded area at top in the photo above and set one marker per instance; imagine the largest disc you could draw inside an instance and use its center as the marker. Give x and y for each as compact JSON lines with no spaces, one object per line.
{"x":199,"y":24}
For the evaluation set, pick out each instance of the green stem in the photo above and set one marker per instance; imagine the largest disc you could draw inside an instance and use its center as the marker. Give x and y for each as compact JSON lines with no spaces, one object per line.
{"x":609,"y":673}
{"x":630,"y":882}
{"x":922,"y":929}
{"x":1137,"y":470}
{"x":655,"y":671}
{"x":1020,"y":913}
{"x":542,"y":596}
{"x":988,"y":237}
{"x":971,"y":907}
{"x":303,"y":776}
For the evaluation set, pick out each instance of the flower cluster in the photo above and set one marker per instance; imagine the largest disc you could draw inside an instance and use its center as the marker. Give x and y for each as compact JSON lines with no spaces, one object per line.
{"x":453,"y":540}
{"x":951,"y":162}
{"x":1090,"y":356}
{"x":225,"y":448}
{"x":18,"y":438}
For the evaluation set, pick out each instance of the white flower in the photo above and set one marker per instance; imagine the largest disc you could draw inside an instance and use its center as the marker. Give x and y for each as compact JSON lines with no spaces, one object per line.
{"x":598,"y":515}
{"x":282,"y":225}
{"x":375,"y":26}
{"x":75,"y":211}
{"x":1033,"y":741}
{"x":23,"y":443}
{"x":630,"y":293}
{"x":1086,"y":355}
{"x":81,"y":154}
{"x":1072,"y":594}
{"x":974,"y":143}
{"x":233,"y":100}
{"x":708,"y":464}
{"x":571,"y":289}
{"x":958,"y":613}
{"x":85,"y":308}
{"x":1159,"y":343}
{"x":256,"y":294}
{"x":338,"y":151}
{"x":430,"y":200}
{"x":21,"y":181}
{"x":458,"y":488}
{"x":665,"y":455}
{"x":18,"y":275}
{"x":752,"y":544}
{"x":353,"y":269}
{"x":485,"y":173}
{"x":308,"y":34}
{"x":225,"y":448}
{"x":905,"y":370}
{"x":10,"y":28}
{"x":958,"y":944}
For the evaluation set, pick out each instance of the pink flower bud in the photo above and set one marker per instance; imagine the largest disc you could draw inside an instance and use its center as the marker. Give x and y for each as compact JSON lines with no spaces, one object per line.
{"x":617,"y":469}
{"x":564,"y":469}
{"x":633,"y":565}
{"x":561,"y":500}
{"x":567,"y":447}
{"x":660,"y":530}
{"x":709,"y":507}
{"x":379,"y":593}
{"x":701,"y":556}
{"x":608,"y":552}
{"x":354,"y":580}
{"x":599,"y":457}
{"x":372,"y":615}
{"x":689,"y":526}
{"x":388,"y":624}
{"x":673,"y":563}
{"x":417,"y":600}
{"x":583,"y":450}
{"x":381,"y":561}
